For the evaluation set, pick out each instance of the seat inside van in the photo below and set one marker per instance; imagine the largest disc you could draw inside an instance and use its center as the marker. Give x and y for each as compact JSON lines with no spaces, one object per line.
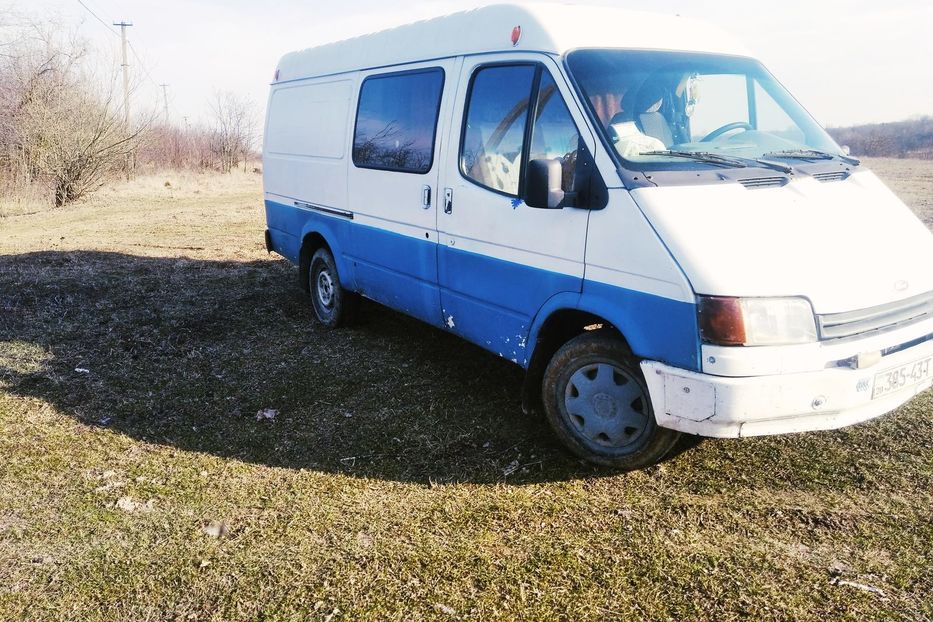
{"x":496,"y":170}
{"x":644,"y":107}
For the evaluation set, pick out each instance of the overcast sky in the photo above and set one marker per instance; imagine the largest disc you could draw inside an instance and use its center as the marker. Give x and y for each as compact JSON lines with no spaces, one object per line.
{"x":848,"y":61}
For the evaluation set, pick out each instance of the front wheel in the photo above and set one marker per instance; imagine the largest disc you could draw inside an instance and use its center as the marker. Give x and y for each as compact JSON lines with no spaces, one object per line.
{"x":333,"y":305}
{"x":596,"y":400}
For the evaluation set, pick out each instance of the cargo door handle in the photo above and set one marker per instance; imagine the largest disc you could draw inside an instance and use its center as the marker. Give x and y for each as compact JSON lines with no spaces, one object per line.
{"x":426,"y":197}
{"x":448,"y":200}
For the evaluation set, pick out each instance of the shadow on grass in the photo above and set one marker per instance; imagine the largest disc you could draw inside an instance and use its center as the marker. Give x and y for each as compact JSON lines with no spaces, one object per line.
{"x":185,"y":352}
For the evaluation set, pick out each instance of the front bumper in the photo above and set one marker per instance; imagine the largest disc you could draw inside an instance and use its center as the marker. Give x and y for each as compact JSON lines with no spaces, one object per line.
{"x":731,"y":407}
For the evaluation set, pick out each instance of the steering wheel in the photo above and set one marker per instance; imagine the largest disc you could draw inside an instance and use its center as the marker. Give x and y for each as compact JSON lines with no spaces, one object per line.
{"x":738,"y":125}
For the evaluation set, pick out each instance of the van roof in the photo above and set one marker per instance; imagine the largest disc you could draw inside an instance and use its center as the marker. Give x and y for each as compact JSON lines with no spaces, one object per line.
{"x":550,"y":28}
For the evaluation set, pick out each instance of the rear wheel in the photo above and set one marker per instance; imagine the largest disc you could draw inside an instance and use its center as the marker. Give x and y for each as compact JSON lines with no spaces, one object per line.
{"x":596,"y":400}
{"x":333,"y":305}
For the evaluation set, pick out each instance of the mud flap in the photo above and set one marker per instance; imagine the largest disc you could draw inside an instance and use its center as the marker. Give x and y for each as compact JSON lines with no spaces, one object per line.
{"x":268,"y":242}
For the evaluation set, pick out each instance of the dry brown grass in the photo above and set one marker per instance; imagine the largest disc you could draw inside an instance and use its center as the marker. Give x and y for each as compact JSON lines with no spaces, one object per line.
{"x":378,"y":492}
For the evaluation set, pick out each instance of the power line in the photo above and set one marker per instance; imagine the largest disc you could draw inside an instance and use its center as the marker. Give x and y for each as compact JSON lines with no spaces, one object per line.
{"x":129,"y":43}
{"x":126,"y":43}
{"x":105,"y":25}
{"x":142,"y":64}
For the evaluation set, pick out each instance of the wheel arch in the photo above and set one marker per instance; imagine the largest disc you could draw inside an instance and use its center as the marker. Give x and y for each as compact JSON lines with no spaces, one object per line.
{"x":549,"y":332}
{"x":320,"y":235}
{"x":651,"y":327}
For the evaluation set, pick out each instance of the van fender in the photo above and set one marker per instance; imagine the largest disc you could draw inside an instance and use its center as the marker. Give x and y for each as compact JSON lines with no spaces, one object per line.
{"x":656,"y":328}
{"x":653,"y":327}
{"x":557,"y":302}
{"x":336,"y":234}
{"x":603,"y":310}
{"x":538,"y":351}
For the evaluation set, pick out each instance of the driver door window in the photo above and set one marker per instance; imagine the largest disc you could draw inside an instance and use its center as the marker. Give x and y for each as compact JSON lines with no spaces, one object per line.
{"x":494,"y":137}
{"x":723,"y":100}
{"x":496,"y":122}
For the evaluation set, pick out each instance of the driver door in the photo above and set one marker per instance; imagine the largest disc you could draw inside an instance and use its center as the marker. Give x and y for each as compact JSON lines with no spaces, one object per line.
{"x":500,"y":261}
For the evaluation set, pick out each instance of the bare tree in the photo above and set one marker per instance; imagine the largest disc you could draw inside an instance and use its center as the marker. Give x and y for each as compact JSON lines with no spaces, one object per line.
{"x":62,"y":128}
{"x":60,"y":125}
{"x":233,"y":130}
{"x":75,"y":140}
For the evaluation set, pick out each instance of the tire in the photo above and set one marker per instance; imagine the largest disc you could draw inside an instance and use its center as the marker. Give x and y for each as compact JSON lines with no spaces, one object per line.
{"x":596,"y":400}
{"x":333,"y":305}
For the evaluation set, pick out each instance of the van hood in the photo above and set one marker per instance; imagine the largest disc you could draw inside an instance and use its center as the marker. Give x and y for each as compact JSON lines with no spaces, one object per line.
{"x":845,"y":245}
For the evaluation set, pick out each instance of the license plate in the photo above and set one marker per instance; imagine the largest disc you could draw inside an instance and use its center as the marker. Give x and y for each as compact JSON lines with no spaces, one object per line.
{"x":908,"y":375}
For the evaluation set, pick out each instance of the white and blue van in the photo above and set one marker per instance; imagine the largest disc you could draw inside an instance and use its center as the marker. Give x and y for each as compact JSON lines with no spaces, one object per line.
{"x":629,"y":206}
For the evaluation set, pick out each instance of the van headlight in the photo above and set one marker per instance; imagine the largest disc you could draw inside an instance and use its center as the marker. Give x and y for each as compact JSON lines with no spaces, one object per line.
{"x":756,"y":321}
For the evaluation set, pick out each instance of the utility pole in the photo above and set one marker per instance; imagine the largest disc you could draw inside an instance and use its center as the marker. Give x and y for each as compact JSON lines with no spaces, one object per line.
{"x":126,"y":73}
{"x":165,"y":100}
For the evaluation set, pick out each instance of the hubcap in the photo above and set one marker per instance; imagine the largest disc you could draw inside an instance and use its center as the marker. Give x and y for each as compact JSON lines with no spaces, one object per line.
{"x":325,"y":288}
{"x":606,"y":405}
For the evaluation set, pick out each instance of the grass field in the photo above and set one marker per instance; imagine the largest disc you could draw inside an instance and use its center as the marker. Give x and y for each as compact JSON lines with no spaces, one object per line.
{"x":141,"y":333}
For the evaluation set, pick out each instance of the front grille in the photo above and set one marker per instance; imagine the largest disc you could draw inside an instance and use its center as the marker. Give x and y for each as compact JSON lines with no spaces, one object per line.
{"x":763,"y":182}
{"x":882,"y":317}
{"x":833,"y":176}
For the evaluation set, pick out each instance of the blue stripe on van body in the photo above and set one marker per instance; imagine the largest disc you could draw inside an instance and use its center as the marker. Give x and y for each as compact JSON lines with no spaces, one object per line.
{"x":397,"y":270}
{"x":285,"y":244}
{"x":498,"y":305}
{"x":288,"y":226}
{"x":517,"y":299}
{"x":492,"y":302}
{"x":656,"y":328}
{"x":284,"y":225}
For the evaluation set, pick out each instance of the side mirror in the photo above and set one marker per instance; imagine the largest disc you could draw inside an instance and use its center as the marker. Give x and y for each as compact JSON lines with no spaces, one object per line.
{"x":543,"y":187}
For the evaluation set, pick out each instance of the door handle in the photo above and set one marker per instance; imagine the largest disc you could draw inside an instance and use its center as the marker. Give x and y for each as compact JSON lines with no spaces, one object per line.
{"x":448,"y":200}
{"x":426,"y":197}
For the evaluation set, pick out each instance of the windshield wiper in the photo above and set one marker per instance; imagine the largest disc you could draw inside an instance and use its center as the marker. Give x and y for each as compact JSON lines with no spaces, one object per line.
{"x":812,"y":154}
{"x":699,"y":156}
{"x":713,"y":158}
{"x":777,"y":166}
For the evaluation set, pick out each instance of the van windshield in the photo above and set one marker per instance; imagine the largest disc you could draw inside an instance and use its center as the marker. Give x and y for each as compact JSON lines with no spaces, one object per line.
{"x":675,"y":109}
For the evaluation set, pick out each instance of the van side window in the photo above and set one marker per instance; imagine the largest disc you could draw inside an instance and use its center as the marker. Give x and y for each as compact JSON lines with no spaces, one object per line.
{"x":555,"y":135}
{"x":396,"y":121}
{"x":494,"y":134}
